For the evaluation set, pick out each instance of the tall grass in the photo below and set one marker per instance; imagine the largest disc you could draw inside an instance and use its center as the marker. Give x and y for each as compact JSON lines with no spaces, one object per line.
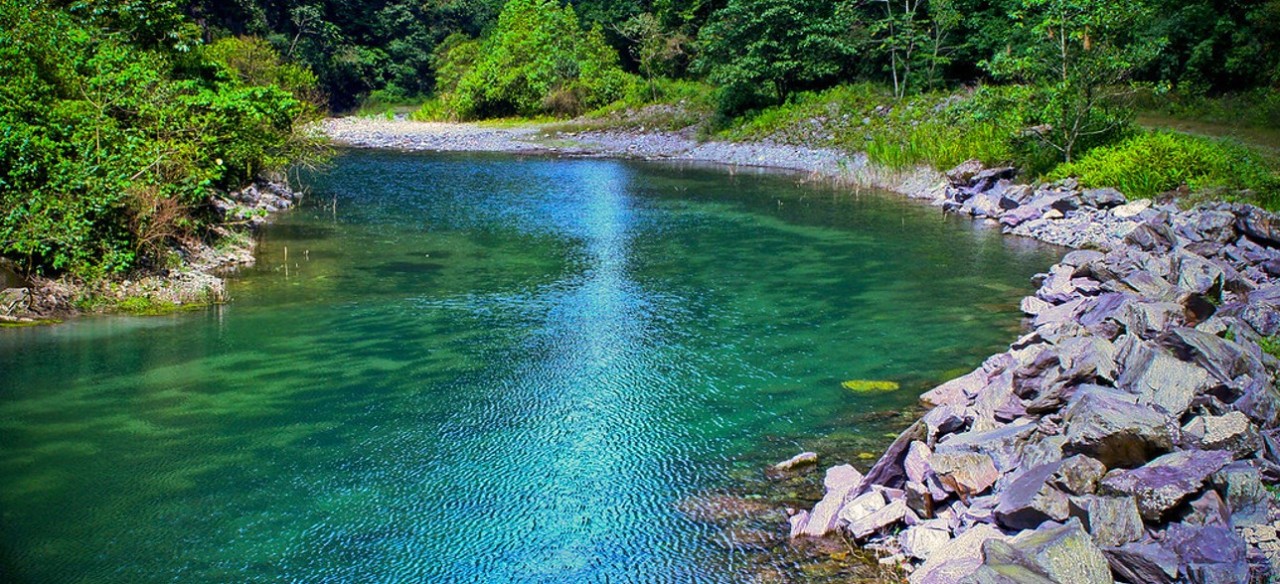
{"x":1150,"y":163}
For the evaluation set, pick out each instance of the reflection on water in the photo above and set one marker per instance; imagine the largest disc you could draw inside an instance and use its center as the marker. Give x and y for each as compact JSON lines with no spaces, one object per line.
{"x":488,"y":369}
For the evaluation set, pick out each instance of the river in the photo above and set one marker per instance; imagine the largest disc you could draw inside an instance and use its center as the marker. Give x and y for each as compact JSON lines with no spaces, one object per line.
{"x":488,"y":368}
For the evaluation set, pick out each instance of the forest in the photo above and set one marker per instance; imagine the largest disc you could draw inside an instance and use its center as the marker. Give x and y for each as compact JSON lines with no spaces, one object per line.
{"x":120,"y":117}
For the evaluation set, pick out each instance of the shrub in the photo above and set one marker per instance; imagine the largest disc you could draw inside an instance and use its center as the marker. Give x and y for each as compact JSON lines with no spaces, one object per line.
{"x":1151,"y":163}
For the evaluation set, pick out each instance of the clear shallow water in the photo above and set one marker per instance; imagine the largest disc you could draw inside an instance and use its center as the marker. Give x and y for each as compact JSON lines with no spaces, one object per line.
{"x":488,"y":369}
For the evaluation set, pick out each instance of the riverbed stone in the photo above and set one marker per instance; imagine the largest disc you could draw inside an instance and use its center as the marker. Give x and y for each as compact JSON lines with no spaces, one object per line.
{"x":862,"y":506}
{"x":916,"y":463}
{"x":839,"y":481}
{"x":797,"y":462}
{"x":1163,"y":483}
{"x":1113,"y":428}
{"x":1031,"y":499}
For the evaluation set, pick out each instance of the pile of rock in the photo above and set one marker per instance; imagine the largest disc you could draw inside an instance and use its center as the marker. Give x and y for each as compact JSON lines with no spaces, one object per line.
{"x":253,"y":204}
{"x":1129,"y":435}
{"x":1059,"y":213}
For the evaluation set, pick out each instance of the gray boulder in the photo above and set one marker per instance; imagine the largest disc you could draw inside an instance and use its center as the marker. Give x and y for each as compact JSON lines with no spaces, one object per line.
{"x":1111,"y":427}
{"x":1163,"y":483}
{"x":1104,"y":198}
{"x":959,"y":559}
{"x":1260,"y":226}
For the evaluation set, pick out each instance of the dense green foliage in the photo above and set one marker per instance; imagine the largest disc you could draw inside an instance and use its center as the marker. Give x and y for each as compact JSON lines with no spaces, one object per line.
{"x":762,"y":51}
{"x":538,"y":59}
{"x":1151,"y":163}
{"x":117,"y":126}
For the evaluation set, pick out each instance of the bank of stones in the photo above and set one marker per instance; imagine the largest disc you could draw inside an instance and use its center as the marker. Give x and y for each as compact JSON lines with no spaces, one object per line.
{"x":195,"y":281}
{"x":1130,"y":435}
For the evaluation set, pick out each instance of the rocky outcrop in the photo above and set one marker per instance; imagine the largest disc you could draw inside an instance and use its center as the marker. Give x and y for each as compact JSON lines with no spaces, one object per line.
{"x":1128,"y":434}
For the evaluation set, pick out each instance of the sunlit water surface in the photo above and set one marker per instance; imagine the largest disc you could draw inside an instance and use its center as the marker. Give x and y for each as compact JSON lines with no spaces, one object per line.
{"x":477,"y":368}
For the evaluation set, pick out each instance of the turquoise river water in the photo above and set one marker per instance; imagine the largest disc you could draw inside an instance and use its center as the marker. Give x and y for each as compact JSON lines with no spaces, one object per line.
{"x":483,"y":368}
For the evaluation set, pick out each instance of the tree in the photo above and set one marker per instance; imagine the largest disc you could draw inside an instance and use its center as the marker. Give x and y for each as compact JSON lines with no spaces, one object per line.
{"x":656,"y":50}
{"x":1078,"y":54}
{"x":761,"y":51}
{"x":540,"y":60}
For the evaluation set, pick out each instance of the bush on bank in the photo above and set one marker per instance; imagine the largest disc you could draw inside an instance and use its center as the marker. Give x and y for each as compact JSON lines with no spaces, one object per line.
{"x":113,"y":138}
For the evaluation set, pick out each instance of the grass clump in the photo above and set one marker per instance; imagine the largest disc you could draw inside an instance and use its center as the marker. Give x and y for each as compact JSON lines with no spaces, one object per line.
{"x":1150,"y":163}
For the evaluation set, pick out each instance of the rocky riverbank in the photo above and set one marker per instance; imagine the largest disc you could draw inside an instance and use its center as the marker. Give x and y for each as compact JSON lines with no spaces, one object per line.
{"x":196,"y":280}
{"x":1130,"y":435}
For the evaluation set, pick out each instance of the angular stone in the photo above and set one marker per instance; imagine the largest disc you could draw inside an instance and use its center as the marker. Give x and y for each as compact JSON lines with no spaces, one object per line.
{"x":1133,"y":209}
{"x":1150,"y":319}
{"x":1079,"y":475}
{"x":877,"y":520}
{"x":943,"y":420}
{"x":1104,"y":198}
{"x":1232,"y":432}
{"x":921,"y":542}
{"x":1225,"y":360}
{"x":1112,"y":521}
{"x":917,"y":462}
{"x":1020,"y":215}
{"x":1118,"y":432}
{"x":1162,"y":379}
{"x":1163,"y":483}
{"x":956,"y":391}
{"x":1088,"y":358}
{"x":958,"y":559}
{"x":964,"y":473}
{"x":1031,"y":500}
{"x":1240,"y":484}
{"x":1199,"y":275}
{"x":840,"y":480}
{"x":1260,"y":226}
{"x":1210,"y":554}
{"x":1003,"y":444}
{"x":862,"y":506}
{"x":1208,"y":509}
{"x":887,"y":472}
{"x":1143,"y":563}
{"x":1065,"y":554}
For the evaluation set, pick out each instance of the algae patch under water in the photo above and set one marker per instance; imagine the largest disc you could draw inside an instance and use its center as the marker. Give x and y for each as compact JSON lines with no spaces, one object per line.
{"x":493,"y":369}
